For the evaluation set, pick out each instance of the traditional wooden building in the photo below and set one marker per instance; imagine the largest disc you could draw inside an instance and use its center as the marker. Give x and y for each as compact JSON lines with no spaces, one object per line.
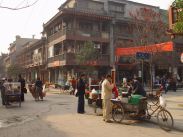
{"x":34,"y":61}
{"x":104,"y":22}
{"x":67,"y":32}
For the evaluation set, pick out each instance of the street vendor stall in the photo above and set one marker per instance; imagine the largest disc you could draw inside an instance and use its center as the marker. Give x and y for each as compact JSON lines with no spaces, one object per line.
{"x":95,"y":97}
{"x":12,"y":93}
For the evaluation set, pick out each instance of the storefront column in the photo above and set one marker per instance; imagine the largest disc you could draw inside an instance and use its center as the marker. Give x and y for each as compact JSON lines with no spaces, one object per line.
{"x":55,"y":74}
{"x":175,"y":70}
{"x":49,"y":76}
{"x":153,"y":73}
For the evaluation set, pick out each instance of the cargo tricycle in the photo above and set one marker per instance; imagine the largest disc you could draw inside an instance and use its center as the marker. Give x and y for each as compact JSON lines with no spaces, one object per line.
{"x":136,"y":107}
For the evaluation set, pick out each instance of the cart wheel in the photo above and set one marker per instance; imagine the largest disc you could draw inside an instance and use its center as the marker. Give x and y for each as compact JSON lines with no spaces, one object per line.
{"x":19,"y":101}
{"x":6,"y":101}
{"x":89,"y":101}
{"x":165,"y":120}
{"x":117,"y":113}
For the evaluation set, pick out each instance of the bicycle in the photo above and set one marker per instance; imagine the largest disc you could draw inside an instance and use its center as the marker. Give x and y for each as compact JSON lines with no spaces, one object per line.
{"x":141,"y":111}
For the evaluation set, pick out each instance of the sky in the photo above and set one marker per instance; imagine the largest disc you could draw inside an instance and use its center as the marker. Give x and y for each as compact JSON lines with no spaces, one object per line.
{"x":29,"y":21}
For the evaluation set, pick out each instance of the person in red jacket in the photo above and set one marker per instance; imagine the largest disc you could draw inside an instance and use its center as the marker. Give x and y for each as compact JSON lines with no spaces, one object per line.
{"x":115,"y":91}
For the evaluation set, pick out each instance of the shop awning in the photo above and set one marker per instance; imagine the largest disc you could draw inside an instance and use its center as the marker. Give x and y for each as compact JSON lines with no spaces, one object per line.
{"x":162,"y":47}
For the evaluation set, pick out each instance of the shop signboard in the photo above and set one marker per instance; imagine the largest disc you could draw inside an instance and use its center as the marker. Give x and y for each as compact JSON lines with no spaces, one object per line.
{"x":142,"y":55}
{"x":37,"y":58}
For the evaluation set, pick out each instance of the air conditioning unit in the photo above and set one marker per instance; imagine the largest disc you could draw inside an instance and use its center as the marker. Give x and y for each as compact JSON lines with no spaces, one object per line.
{"x":97,"y":46}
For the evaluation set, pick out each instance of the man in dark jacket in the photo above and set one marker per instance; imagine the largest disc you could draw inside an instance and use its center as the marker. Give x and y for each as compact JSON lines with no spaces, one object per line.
{"x":2,"y":88}
{"x":39,"y":88}
{"x":22,"y":82}
{"x":81,"y":92}
{"x":138,"y":88}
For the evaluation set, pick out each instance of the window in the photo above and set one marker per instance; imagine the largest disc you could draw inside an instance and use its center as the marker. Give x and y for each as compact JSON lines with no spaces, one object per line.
{"x":50,"y":52}
{"x":85,"y":26}
{"x":57,"y":49}
{"x":117,"y":7}
{"x":95,"y":5}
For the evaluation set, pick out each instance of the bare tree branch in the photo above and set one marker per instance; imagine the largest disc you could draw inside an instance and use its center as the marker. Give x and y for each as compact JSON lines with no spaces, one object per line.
{"x":23,"y":7}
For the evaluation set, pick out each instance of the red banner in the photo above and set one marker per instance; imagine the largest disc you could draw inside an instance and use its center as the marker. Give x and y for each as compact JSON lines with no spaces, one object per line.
{"x":162,"y":47}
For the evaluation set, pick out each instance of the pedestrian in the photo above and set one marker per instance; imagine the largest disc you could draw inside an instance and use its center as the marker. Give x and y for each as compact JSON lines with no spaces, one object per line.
{"x":74,"y":83}
{"x":138,"y":88}
{"x":2,"y":88}
{"x":106,"y":96}
{"x":23,"y":89}
{"x":81,"y":85}
{"x":38,"y":89}
{"x":100,"y":83}
{"x":165,"y":83}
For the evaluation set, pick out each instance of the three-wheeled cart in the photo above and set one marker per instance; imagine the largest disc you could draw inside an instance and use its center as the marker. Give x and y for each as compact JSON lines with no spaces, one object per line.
{"x":95,"y":97}
{"x":141,"y":110}
{"x":12,"y":93}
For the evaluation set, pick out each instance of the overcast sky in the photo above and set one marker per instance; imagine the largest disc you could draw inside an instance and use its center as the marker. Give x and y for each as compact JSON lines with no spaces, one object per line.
{"x":28,"y":22}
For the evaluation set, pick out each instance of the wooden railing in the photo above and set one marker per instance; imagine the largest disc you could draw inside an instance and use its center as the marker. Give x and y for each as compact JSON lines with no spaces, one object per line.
{"x":70,"y":59}
{"x":78,"y":33}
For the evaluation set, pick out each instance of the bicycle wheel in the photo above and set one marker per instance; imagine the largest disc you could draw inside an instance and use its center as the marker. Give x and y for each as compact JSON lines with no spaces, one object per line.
{"x":117,"y":113}
{"x":165,"y":120}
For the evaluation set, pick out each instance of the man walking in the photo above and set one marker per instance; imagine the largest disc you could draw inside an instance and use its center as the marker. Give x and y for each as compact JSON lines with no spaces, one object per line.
{"x":22,"y":82}
{"x":106,"y":96}
{"x":38,"y":90}
{"x":81,"y":92}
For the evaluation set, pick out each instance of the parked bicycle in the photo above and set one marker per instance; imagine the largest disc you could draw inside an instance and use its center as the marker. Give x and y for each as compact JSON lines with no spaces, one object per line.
{"x":142,"y":111}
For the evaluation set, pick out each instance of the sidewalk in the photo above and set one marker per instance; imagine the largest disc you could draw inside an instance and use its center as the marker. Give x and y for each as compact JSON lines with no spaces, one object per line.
{"x":175,"y":107}
{"x":174,"y":102}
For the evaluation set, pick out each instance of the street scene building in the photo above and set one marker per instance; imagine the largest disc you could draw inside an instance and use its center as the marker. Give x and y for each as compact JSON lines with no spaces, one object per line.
{"x":113,"y":29}
{"x":100,"y":68}
{"x":33,"y":59}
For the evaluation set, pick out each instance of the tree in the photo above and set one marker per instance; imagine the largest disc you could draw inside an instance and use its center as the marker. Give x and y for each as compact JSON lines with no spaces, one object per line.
{"x":14,"y":70}
{"x":87,"y":53}
{"x":177,"y":7}
{"x":86,"y":56}
{"x":149,"y":27}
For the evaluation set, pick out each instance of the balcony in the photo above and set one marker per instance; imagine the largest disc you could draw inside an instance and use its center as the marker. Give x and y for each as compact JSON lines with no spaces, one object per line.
{"x":124,"y":35}
{"x":87,"y":10}
{"x":76,"y":34}
{"x":69,"y":59}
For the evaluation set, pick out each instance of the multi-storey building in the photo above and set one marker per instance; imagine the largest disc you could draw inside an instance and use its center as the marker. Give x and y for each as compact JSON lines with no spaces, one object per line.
{"x":69,"y":29}
{"x":104,"y":22}
{"x":33,"y":59}
{"x":2,"y":65}
{"x":15,"y":49}
{"x":17,"y":46}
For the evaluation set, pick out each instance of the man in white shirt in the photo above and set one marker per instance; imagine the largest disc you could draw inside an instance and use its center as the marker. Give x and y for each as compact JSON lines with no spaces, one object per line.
{"x":106,"y":96}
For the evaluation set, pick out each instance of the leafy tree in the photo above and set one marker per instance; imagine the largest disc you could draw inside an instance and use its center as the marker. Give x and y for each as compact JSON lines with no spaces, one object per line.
{"x":149,"y":27}
{"x":87,"y":53}
{"x":14,"y":70}
{"x":178,"y":26}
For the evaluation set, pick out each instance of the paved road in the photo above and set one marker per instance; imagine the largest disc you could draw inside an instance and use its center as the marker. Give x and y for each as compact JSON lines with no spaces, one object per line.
{"x":57,"y":117}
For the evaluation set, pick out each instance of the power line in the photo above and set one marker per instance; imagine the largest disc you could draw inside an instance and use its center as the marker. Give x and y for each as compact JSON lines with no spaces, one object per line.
{"x":23,"y":7}
{"x":19,"y":4}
